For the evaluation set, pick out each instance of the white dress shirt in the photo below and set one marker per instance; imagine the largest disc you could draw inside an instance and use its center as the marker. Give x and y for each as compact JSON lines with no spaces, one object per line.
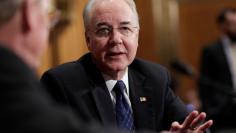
{"x":230,"y":51}
{"x":110,"y":83}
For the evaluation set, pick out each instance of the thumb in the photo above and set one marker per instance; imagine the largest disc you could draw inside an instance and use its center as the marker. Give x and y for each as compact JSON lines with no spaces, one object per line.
{"x":175,"y":126}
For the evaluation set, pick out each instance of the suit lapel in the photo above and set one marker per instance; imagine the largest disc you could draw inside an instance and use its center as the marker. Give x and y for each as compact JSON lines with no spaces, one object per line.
{"x":140,"y":96}
{"x":100,"y":93}
{"x":222,"y":57}
{"x":104,"y":104}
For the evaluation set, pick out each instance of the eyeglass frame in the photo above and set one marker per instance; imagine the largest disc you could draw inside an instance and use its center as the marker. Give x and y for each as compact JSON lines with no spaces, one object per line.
{"x":111,"y":30}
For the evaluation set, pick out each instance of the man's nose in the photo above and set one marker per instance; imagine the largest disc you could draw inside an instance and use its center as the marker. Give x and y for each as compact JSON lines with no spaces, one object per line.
{"x":116,"y":37}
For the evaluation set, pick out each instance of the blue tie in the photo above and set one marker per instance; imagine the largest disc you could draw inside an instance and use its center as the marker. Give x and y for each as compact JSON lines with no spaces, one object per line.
{"x":124,"y":115}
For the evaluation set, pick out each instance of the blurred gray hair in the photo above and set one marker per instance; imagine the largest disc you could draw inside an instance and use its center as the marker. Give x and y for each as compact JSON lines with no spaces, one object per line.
{"x":90,"y":4}
{"x":8,"y":8}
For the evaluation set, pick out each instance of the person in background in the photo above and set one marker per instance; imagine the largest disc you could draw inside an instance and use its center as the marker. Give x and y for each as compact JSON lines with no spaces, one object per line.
{"x":110,"y":85}
{"x":217,"y":84}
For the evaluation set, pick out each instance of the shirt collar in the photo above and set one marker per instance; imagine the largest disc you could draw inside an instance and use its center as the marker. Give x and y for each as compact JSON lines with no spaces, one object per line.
{"x":110,"y":83}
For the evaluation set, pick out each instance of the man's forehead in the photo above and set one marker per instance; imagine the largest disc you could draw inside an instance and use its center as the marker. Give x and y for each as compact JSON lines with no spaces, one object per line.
{"x":112,"y":12}
{"x":114,"y":18}
{"x":109,"y":24}
{"x":110,"y":8}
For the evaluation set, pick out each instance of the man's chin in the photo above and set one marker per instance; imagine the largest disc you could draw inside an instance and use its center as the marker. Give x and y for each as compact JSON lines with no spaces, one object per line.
{"x":115,"y":68}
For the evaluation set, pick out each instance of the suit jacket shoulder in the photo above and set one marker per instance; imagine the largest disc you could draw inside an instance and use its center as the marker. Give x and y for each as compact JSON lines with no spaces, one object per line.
{"x":156,"y":85}
{"x":214,"y":64}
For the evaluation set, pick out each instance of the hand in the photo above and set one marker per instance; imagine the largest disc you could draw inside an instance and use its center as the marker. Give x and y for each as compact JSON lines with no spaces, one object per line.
{"x":192,"y":124}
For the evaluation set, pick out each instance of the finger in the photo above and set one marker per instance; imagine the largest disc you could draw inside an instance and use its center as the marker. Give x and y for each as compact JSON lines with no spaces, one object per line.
{"x":175,"y":126}
{"x":189,"y":119}
{"x":201,"y":117}
{"x":206,"y":125}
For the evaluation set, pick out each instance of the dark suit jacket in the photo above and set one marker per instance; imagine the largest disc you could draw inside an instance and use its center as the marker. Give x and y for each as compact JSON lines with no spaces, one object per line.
{"x":81,"y":85}
{"x":216,"y":83}
{"x":25,"y":108}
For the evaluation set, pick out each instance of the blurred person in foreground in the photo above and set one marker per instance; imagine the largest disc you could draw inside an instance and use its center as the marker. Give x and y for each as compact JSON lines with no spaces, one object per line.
{"x":110,"y":85}
{"x":218,"y":74}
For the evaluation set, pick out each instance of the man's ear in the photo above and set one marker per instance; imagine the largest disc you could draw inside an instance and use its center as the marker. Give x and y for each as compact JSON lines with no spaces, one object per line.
{"x":87,"y":39}
{"x":25,"y":16}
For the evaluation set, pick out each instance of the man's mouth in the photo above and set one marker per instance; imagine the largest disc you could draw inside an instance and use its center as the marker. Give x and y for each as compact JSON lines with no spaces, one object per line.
{"x":115,"y":54}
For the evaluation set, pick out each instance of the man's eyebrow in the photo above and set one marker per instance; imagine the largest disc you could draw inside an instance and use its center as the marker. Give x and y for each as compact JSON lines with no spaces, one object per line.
{"x":102,"y":24}
{"x":107,"y":24}
{"x":125,"y":23}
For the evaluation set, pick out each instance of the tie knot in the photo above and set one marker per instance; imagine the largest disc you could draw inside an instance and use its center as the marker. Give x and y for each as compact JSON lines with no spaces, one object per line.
{"x":120,"y":87}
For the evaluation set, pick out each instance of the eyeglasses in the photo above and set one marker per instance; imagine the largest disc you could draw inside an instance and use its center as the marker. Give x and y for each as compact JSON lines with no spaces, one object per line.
{"x":106,"y":31}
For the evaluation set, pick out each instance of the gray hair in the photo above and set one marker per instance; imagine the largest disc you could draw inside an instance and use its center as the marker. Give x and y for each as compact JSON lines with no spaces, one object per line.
{"x":90,"y":4}
{"x":8,"y":8}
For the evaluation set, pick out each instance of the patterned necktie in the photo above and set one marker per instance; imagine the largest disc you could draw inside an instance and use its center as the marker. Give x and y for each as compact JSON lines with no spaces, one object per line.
{"x":124,"y":115}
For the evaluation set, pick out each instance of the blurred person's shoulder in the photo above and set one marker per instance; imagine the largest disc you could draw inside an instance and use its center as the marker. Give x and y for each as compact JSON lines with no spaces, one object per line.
{"x":213,"y":45}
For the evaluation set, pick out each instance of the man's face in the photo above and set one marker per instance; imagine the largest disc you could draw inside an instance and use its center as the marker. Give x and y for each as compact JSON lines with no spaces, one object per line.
{"x":112,"y":36}
{"x":231,"y":26}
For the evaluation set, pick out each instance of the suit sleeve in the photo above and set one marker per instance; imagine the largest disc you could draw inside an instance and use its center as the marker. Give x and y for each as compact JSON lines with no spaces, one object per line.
{"x":54,"y":87}
{"x":175,"y":109}
{"x":212,"y":100}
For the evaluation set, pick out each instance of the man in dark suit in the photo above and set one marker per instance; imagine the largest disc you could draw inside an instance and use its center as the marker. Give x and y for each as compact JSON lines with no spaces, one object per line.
{"x":218,"y":73}
{"x":92,"y":84}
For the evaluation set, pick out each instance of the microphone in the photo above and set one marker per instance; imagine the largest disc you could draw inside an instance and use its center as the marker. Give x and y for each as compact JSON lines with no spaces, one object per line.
{"x":182,"y":68}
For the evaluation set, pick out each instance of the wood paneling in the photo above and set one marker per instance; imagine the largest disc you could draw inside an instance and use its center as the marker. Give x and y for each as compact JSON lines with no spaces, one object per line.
{"x":70,"y":44}
{"x":147,"y":43}
{"x":197,"y":19}
{"x":198,"y":27}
